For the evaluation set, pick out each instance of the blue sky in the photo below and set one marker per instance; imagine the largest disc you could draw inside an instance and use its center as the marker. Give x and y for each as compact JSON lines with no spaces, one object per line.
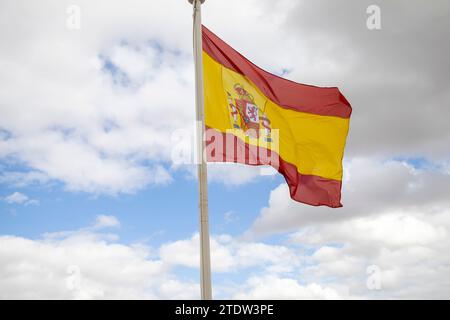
{"x":92,"y":205}
{"x":155,"y":214}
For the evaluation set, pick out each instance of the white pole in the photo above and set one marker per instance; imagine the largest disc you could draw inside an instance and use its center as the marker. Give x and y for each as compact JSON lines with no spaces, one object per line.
{"x":205,"y":264}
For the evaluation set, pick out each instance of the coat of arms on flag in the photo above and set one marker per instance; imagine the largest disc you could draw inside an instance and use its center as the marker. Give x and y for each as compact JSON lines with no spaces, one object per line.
{"x":246,"y":115}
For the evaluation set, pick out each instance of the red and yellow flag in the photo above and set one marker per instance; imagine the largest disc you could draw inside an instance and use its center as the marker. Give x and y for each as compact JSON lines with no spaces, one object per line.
{"x":257,"y":118}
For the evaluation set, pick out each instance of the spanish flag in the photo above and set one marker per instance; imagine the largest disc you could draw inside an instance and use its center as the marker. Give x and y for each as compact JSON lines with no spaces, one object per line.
{"x":257,"y":118}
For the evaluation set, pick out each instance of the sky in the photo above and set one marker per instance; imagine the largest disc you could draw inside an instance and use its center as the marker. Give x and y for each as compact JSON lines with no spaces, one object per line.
{"x":97,"y":97}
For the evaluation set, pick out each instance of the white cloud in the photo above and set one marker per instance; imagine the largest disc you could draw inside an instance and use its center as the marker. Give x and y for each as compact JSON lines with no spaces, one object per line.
{"x":19,"y":198}
{"x":65,"y":115}
{"x":91,"y":232}
{"x":41,"y":269}
{"x":85,"y":264}
{"x":395,"y":230}
{"x":410,"y":250}
{"x":21,"y":179}
{"x":271,"y":287}
{"x":106,"y":221}
{"x":229,"y":255}
{"x":370,"y":187}
{"x":16,"y":197}
{"x":135,"y":64}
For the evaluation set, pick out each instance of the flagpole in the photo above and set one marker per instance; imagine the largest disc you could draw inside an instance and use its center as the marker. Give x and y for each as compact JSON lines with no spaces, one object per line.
{"x":205,"y":264}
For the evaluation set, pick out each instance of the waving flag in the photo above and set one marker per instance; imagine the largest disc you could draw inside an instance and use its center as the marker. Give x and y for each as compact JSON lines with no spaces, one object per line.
{"x":257,"y":118}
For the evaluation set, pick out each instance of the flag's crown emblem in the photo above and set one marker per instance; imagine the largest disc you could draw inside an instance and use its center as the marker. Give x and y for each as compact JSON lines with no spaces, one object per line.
{"x":246,"y":115}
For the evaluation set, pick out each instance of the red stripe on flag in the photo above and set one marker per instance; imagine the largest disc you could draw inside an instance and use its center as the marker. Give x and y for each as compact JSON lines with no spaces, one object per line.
{"x":285,"y":93}
{"x":309,"y":189}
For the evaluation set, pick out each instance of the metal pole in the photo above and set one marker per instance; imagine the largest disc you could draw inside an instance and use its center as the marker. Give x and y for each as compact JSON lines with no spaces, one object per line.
{"x":205,"y":264}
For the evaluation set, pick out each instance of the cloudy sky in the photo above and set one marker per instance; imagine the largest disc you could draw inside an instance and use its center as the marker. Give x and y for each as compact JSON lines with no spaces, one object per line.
{"x":92,"y":205}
